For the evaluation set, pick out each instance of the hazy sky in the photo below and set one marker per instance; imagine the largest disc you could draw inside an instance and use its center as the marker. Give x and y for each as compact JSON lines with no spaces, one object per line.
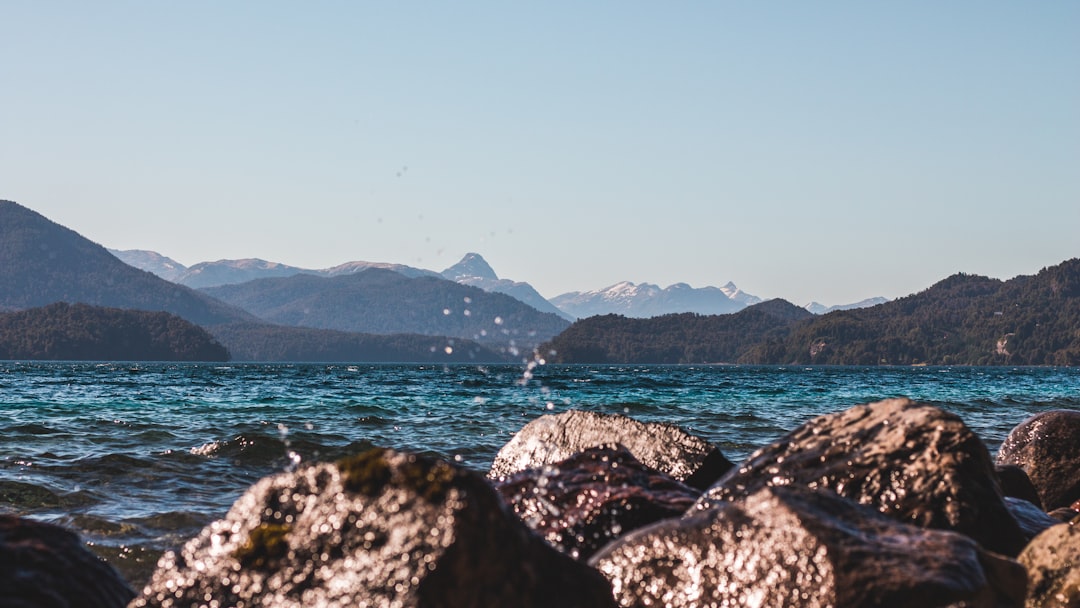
{"x":827,"y":151}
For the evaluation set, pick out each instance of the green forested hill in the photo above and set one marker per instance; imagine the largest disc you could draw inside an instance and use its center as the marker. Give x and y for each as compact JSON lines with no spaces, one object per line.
{"x":70,"y":332}
{"x":962,"y":320}
{"x":675,"y":338}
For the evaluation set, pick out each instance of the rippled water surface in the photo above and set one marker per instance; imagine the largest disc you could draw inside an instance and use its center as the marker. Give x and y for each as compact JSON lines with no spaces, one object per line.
{"x":138,"y":457}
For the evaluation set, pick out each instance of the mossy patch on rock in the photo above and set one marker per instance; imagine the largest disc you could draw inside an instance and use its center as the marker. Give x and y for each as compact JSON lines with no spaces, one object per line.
{"x":265,"y":544}
{"x":429,"y":478}
{"x":368,"y":473}
{"x":365,"y":473}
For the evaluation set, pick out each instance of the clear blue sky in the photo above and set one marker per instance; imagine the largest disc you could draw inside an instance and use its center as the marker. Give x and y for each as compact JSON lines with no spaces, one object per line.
{"x":825,"y":151}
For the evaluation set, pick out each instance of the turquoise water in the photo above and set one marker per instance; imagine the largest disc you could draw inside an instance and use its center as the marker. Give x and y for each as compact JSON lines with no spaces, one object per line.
{"x":138,"y":457}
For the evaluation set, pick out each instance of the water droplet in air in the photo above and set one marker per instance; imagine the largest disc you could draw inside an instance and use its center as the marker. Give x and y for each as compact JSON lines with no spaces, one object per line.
{"x":498,"y":320}
{"x":449,"y":350}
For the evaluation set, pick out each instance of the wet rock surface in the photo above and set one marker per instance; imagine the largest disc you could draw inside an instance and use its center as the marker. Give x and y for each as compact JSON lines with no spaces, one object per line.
{"x":664,"y":447}
{"x":1033,"y":521}
{"x":1053,"y":564}
{"x":46,"y":566}
{"x":910,"y":461}
{"x":1047,"y":447}
{"x":1016,"y":483}
{"x":791,"y":546}
{"x":582,"y":503}
{"x":379,"y":529}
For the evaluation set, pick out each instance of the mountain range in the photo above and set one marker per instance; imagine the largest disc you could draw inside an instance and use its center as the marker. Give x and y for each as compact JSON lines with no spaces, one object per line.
{"x":42,"y":262}
{"x":625,"y":298}
{"x":371,"y":312}
{"x":961,"y":320}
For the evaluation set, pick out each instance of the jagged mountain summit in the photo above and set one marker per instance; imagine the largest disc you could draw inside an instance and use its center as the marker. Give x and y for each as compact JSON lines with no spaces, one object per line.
{"x":474,"y":271}
{"x":648,"y":300}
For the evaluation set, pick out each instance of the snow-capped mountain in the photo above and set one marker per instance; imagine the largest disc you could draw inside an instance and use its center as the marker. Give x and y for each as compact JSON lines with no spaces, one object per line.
{"x":153,"y":262}
{"x":820,"y":309}
{"x":473,"y":270}
{"x":225,"y":272}
{"x":648,"y":300}
{"x":353,"y":267}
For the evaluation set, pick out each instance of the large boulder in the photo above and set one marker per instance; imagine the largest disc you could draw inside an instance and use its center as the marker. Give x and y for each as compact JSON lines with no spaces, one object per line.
{"x":1047,"y":447}
{"x":1053,"y":564}
{"x":379,"y":529}
{"x":46,"y":566}
{"x":582,"y":503}
{"x":792,"y":546}
{"x":667,"y":448}
{"x":911,"y":461}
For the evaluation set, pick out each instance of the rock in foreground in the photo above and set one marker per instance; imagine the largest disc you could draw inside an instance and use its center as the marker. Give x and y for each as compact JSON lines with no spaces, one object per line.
{"x":1053,"y":564}
{"x":1047,"y":447}
{"x":910,"y":461}
{"x":664,"y":447}
{"x":379,"y":529}
{"x":46,"y":566}
{"x":792,"y":546}
{"x":582,"y":503}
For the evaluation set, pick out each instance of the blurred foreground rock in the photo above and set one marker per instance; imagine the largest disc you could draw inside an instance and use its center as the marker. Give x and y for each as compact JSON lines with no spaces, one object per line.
{"x":792,"y":546}
{"x":910,"y":461}
{"x":46,"y":566}
{"x":1047,"y":447}
{"x":664,"y":447}
{"x":1053,"y":564}
{"x":582,"y":503}
{"x":379,"y":529}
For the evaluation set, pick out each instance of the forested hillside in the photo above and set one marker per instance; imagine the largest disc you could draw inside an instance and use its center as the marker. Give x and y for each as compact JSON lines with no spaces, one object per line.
{"x":962,"y":320}
{"x":676,"y":338}
{"x":42,"y":262}
{"x":69,"y":332}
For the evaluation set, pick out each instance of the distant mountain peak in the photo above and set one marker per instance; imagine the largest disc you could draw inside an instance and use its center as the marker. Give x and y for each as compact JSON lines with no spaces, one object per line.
{"x":649,"y":300}
{"x":472,"y":266}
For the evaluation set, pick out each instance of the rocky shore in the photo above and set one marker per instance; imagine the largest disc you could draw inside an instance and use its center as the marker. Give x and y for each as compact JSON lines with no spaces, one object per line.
{"x":893,"y":503}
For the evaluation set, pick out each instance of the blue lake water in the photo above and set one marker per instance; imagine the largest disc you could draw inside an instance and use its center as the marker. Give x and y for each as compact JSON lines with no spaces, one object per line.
{"x":138,"y":457}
